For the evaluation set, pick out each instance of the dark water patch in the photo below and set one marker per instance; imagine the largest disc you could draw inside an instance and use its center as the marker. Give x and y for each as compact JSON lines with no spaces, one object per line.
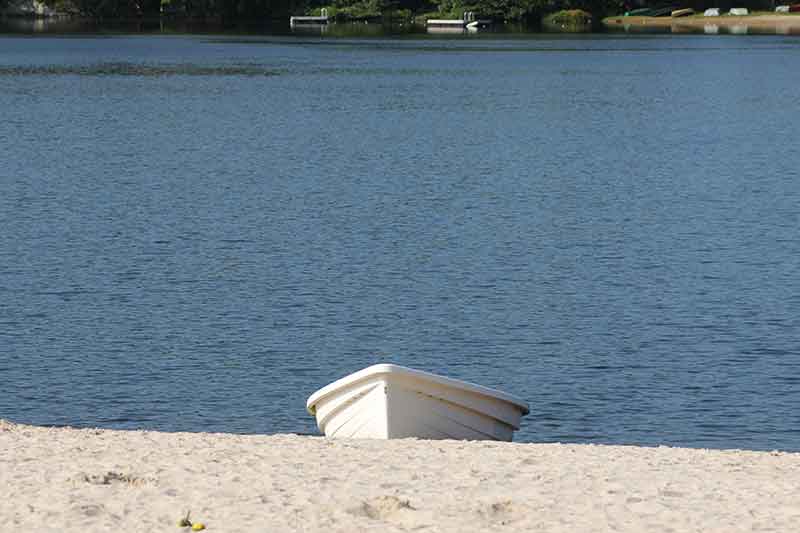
{"x":138,"y":70}
{"x":67,"y":294}
{"x":10,"y":32}
{"x":377,"y":71}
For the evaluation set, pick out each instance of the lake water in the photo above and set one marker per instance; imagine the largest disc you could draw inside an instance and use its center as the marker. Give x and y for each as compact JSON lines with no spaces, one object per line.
{"x":197,"y":232}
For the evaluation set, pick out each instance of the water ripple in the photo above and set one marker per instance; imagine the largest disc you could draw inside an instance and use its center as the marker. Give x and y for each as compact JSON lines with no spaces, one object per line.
{"x":137,"y":69}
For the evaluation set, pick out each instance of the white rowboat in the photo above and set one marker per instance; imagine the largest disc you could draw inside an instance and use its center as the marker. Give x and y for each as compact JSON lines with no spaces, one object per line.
{"x":391,"y":402}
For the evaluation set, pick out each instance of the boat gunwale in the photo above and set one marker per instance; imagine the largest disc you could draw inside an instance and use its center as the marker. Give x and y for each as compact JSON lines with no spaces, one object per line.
{"x":392,"y":369}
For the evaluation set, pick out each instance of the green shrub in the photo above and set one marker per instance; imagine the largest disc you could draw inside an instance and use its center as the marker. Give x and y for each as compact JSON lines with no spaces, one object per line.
{"x":568,"y":18}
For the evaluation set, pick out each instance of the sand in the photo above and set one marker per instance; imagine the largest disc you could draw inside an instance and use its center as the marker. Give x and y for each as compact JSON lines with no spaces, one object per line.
{"x":63,"y":479}
{"x":766,"y":23}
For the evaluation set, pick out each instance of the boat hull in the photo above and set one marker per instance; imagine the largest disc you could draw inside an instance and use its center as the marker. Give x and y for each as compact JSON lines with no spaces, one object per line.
{"x":390,"y":402}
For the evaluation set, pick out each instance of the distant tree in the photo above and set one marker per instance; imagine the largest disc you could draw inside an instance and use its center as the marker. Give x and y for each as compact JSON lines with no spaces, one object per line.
{"x":496,"y":9}
{"x":602,"y":8}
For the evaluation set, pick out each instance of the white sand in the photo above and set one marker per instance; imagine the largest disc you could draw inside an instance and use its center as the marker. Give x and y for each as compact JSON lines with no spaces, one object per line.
{"x":101,"y":480}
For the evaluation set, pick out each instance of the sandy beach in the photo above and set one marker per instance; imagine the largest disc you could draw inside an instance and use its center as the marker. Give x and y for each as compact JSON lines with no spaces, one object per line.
{"x":757,"y":23}
{"x":62,"y":479}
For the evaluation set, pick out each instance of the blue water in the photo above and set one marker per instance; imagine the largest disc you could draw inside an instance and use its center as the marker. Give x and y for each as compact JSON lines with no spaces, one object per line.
{"x":198,"y":232}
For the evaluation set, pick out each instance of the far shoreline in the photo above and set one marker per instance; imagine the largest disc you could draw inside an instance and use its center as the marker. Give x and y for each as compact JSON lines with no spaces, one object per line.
{"x":777,"y":23}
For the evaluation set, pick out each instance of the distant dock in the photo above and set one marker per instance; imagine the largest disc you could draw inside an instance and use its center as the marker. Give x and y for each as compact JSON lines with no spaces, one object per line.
{"x":446,"y":23}
{"x":297,"y":21}
{"x":450,"y":25}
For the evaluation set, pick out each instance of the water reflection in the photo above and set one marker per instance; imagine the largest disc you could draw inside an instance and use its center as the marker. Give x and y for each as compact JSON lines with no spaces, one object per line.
{"x":38,"y":25}
{"x":310,"y":29}
{"x":445,"y":30}
{"x":363,"y":29}
{"x":711,"y":29}
{"x":358,"y":29}
{"x":177,"y":26}
{"x":163,"y":25}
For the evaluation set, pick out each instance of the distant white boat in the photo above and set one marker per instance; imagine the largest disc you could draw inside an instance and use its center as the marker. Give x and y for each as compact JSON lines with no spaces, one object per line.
{"x":390,"y":402}
{"x":479,"y":24}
